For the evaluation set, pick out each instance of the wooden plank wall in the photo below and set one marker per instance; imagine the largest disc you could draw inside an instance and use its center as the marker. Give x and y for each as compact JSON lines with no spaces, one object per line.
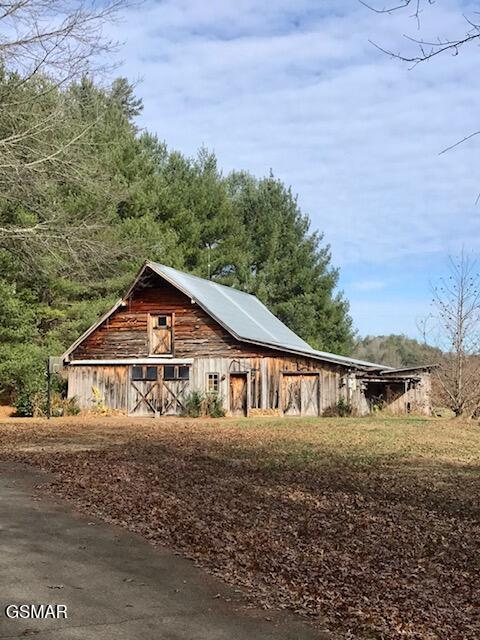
{"x":415,"y":400}
{"x":125,"y":333}
{"x":265,"y":376}
{"x":109,"y":382}
{"x":112,"y":383}
{"x":113,"y":387}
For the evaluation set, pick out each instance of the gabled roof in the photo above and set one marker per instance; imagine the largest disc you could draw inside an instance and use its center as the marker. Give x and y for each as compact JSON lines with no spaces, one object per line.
{"x":240,"y":313}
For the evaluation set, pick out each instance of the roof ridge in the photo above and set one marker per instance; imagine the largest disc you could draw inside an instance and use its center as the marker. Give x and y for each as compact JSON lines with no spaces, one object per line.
{"x":193,"y":275}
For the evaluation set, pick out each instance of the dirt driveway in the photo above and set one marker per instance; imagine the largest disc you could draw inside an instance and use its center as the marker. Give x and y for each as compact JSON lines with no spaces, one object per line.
{"x":114,"y":584}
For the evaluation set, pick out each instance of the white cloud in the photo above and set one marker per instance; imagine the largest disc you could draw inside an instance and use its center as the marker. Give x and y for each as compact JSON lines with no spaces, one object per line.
{"x":298,"y":88}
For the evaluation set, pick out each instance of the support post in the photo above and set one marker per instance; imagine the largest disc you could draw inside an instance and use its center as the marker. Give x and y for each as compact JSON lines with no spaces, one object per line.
{"x":49,"y":390}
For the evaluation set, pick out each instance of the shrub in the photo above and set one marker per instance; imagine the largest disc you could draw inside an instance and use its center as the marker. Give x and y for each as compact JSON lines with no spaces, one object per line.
{"x":214,"y":406}
{"x":61,"y":406}
{"x":24,"y":402}
{"x":201,"y":405}
{"x":341,"y":409}
{"x":98,"y":403}
{"x":194,"y":404}
{"x":344,"y":408}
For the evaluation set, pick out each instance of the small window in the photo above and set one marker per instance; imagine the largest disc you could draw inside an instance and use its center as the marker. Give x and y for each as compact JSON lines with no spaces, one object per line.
{"x":144,"y":373}
{"x":183,"y":373}
{"x":162,"y":321}
{"x":213,"y":382}
{"x":137,"y":373}
{"x":169,"y":372}
{"x":151,"y":373}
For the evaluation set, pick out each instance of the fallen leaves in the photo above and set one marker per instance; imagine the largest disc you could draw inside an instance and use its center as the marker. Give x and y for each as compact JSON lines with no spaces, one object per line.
{"x":369,"y":530}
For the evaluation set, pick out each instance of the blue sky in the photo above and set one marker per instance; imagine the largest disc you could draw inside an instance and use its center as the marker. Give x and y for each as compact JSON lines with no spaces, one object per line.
{"x":296,"y":87}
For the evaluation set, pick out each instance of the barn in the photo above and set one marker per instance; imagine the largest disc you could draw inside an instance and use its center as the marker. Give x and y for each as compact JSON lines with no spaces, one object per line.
{"x":174,"y":333}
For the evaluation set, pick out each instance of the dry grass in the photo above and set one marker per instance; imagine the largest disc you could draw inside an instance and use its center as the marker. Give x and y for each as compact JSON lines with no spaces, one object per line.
{"x":370,"y":525}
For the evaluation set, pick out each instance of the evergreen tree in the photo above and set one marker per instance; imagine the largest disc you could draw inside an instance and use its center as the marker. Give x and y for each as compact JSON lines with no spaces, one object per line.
{"x":119,"y":196}
{"x":288,"y":267}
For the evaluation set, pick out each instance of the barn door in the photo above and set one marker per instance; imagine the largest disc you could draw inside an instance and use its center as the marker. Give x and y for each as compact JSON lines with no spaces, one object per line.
{"x":300,"y":394}
{"x":238,"y":394}
{"x":310,"y":394}
{"x":160,"y":334}
{"x":292,"y":394}
{"x":175,"y":387}
{"x":174,"y":396}
{"x":144,"y":390}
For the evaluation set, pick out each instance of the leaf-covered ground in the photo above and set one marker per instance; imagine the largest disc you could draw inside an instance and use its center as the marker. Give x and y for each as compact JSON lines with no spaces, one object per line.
{"x":370,"y":527}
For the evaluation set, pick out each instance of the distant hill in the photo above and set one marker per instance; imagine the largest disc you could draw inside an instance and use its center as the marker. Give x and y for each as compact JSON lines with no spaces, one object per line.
{"x":396,"y":351}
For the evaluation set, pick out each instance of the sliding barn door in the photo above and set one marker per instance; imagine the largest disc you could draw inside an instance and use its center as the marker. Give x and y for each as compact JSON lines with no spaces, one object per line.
{"x":144,"y":391}
{"x":300,"y":394}
{"x":310,"y":395}
{"x":292,"y":394}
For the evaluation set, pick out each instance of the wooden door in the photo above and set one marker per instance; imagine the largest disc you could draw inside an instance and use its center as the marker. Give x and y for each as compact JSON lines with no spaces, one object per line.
{"x":173,"y":397}
{"x":292,"y":394}
{"x":310,"y":394}
{"x":300,"y":394}
{"x":160,"y":334}
{"x":144,"y":393}
{"x":238,"y":394}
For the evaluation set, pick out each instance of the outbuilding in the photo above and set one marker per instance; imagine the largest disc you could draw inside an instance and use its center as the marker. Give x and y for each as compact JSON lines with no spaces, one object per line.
{"x":174,"y":333}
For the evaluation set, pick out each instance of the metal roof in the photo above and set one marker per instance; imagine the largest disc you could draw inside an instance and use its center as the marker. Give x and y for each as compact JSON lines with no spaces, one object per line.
{"x":240,"y":313}
{"x":244,"y":316}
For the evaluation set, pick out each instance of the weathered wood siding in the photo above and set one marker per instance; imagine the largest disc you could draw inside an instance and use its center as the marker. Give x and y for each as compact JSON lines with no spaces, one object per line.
{"x":295,"y":386}
{"x":112,"y":385}
{"x":125,"y":333}
{"x":410,"y":397}
{"x":108,"y":384}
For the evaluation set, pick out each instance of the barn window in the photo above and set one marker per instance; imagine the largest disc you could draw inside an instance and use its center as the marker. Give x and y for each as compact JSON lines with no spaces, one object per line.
{"x":213,"y":382}
{"x":137,"y":373}
{"x":144,"y":373}
{"x":151,"y":373}
{"x":170,"y":372}
{"x":184,"y":373}
{"x":160,"y":334}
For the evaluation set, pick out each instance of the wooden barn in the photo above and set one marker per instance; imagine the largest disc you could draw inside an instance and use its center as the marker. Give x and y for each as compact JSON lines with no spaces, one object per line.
{"x":174,"y":333}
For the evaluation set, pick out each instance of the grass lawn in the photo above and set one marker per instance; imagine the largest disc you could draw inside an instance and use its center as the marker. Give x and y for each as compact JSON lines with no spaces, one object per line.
{"x":371,"y":527}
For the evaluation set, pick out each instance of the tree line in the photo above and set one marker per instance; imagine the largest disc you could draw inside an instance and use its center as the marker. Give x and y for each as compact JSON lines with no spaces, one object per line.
{"x":87,"y":197}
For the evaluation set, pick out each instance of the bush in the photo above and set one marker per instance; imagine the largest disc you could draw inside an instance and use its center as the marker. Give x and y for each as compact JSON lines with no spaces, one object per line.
{"x":61,"y":406}
{"x":98,"y":402}
{"x":344,"y":408}
{"x":214,"y":406}
{"x":194,"y":404}
{"x":341,"y":409}
{"x":32,"y":400}
{"x":202,"y":405}
{"x":24,"y":402}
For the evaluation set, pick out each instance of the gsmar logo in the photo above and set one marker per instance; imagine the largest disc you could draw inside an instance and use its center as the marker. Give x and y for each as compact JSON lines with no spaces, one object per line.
{"x":36,"y":611}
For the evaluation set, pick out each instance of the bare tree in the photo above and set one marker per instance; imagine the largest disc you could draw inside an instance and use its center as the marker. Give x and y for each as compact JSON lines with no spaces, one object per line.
{"x":45,"y":45}
{"x":426,"y":49}
{"x":60,"y":37}
{"x":456,"y":304}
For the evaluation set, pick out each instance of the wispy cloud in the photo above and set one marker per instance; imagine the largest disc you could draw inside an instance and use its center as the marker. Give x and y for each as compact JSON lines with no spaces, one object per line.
{"x":368,"y":285}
